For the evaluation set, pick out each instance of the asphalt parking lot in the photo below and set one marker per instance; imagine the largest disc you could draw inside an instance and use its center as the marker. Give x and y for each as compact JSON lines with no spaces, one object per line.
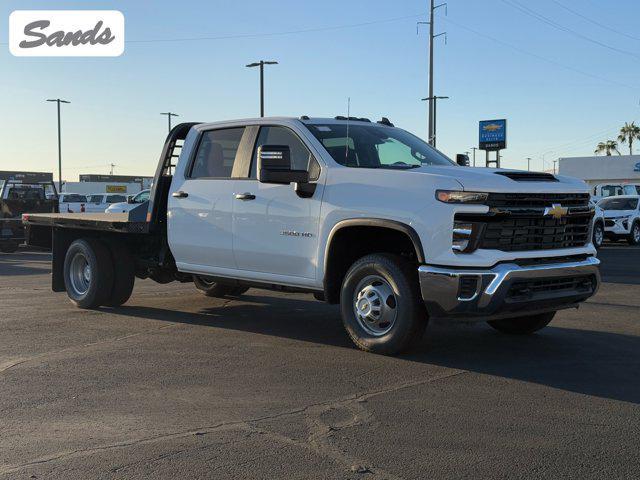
{"x":177,"y":385}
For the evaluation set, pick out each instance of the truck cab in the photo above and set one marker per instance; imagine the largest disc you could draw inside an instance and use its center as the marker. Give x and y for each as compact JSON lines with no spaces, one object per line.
{"x":359,"y":213}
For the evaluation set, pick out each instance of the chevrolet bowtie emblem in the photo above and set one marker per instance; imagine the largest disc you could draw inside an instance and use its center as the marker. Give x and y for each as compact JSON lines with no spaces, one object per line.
{"x":556,"y":210}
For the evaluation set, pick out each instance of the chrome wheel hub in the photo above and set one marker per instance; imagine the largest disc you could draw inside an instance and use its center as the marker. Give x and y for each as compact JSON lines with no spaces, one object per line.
{"x":375,"y":305}
{"x":80,"y":274}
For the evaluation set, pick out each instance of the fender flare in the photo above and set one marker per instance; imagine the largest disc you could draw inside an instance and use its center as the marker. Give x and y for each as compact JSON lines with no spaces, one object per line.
{"x":376,"y":222}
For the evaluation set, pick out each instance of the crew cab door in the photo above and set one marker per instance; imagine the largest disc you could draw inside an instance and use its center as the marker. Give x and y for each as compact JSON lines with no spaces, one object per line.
{"x":200,"y":204}
{"x":275,"y":230}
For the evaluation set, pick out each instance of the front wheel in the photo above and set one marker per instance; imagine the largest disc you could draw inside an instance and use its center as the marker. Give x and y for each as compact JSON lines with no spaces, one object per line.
{"x":598,"y":235}
{"x":215,"y":289}
{"x":381,"y":305}
{"x":523,"y":325}
{"x":634,"y":236}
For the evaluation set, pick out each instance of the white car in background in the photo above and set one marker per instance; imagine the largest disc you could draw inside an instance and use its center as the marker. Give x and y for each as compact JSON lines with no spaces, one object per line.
{"x":605,"y":190}
{"x":622,"y":218}
{"x":99,"y":202}
{"x":131,"y":203}
{"x":72,"y":203}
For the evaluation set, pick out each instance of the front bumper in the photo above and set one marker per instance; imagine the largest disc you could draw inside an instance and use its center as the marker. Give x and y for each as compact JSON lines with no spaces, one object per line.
{"x":507,"y":289}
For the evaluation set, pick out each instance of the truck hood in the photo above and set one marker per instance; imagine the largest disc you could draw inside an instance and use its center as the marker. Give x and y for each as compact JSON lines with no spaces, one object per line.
{"x":493,"y":180}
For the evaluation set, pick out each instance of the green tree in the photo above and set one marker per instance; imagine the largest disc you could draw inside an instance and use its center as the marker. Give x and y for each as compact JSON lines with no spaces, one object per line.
{"x":607,"y":147}
{"x":628,"y":134}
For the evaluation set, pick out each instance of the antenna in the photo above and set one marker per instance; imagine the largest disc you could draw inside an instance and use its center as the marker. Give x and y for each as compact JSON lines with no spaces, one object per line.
{"x":346,"y":146}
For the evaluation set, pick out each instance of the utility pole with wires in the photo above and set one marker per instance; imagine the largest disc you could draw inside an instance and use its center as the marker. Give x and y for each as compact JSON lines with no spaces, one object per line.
{"x":432,"y":36}
{"x":169,"y":115}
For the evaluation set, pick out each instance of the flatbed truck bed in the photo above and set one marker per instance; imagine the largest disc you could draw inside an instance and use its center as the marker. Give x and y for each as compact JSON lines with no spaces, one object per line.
{"x":110,"y":222}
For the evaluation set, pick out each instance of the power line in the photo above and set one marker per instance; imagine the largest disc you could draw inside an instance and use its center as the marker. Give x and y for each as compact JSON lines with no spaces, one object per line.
{"x":276,"y":34}
{"x":532,"y":13}
{"x":595,"y":22}
{"x":539,"y":57}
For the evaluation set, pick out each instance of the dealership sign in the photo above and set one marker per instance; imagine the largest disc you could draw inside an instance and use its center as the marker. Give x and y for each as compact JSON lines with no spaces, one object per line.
{"x":66,"y":33}
{"x":493,"y":134}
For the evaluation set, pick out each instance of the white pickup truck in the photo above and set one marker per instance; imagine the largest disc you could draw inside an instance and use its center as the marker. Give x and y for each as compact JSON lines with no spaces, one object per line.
{"x":359,"y":213}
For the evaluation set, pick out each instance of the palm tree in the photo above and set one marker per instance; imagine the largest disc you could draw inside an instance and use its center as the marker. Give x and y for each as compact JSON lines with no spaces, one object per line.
{"x":628,"y":134}
{"x":607,"y":147}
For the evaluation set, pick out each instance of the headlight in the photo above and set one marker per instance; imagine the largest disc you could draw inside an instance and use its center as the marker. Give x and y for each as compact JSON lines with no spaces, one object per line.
{"x":451,"y":196}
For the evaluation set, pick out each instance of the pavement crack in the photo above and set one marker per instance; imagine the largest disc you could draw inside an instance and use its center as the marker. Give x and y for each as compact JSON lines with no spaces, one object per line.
{"x":318,"y":438}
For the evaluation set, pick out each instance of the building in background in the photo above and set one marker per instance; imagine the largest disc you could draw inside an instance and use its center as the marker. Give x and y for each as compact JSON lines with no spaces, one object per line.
{"x":614,"y":169}
{"x":98,"y":183}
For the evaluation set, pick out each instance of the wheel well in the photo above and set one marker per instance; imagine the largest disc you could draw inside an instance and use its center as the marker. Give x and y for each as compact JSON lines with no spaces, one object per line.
{"x":350,"y":243}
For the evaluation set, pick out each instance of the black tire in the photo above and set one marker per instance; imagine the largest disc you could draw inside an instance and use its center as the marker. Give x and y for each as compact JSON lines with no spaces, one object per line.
{"x":124,"y":275}
{"x":634,"y":236}
{"x":10,"y":247}
{"x":100,"y":279}
{"x":523,"y":325}
{"x":404,"y":303}
{"x":215,"y":289}
{"x":598,"y":234}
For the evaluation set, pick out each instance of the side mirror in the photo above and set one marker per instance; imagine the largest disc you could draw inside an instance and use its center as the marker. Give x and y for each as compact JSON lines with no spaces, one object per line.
{"x":130,"y":199}
{"x":274,"y":166}
{"x":462,"y":160}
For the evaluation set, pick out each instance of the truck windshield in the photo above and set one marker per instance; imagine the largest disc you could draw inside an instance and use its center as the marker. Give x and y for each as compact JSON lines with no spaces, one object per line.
{"x":614,"y":203}
{"x":376,"y":146}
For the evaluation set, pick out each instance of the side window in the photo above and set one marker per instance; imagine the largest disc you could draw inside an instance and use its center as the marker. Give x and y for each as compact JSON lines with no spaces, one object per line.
{"x":95,"y":199}
{"x":217,"y":153}
{"x":301,"y":158}
{"x":116,"y":198}
{"x":142,"y":197}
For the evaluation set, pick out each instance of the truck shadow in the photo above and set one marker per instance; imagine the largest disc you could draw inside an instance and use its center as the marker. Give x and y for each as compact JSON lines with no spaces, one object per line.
{"x":597,"y":363}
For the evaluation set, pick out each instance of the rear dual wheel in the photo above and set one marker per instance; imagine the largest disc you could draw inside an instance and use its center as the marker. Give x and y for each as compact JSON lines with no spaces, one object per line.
{"x":98,"y":275}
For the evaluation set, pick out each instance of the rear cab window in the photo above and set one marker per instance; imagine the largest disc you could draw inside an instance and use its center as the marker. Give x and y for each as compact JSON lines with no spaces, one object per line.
{"x":216,"y":153}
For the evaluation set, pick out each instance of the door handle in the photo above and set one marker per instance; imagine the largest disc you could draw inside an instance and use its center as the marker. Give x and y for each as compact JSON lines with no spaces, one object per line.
{"x":180,"y":194}
{"x":245,"y":196}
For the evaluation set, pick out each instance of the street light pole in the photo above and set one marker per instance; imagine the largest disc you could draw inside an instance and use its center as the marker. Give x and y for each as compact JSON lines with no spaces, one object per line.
{"x":169,"y":115}
{"x":474,"y":155}
{"x":261,"y":64}
{"x":528,"y":164}
{"x":544,"y":155}
{"x":59,"y":101}
{"x":434,"y":99}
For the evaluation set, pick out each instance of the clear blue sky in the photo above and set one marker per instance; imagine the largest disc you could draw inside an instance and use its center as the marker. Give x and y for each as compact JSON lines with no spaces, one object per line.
{"x":498,"y":62}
